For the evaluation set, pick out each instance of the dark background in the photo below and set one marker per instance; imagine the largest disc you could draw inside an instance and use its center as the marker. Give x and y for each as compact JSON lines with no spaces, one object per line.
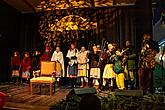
{"x":18,"y":31}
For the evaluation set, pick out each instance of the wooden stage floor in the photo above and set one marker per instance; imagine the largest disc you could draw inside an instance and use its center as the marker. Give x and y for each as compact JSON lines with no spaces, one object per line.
{"x":19,"y":98}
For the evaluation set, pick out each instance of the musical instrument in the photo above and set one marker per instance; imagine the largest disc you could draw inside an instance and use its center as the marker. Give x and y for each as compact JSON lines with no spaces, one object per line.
{"x":125,"y":50}
{"x":102,"y":51}
{"x":118,"y":64}
{"x":124,"y":60}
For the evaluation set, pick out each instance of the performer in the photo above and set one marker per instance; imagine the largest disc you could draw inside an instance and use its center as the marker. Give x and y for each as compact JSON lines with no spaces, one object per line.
{"x":15,"y":64}
{"x":160,"y":57}
{"x":72,"y":64}
{"x":109,"y":74}
{"x":118,"y":67}
{"x":129,"y":62}
{"x":101,"y":51}
{"x":159,"y":70}
{"x":59,"y":59}
{"x":46,"y":56}
{"x":83,"y":66}
{"x":26,"y":66}
{"x":94,"y":69}
{"x":36,"y":63}
{"x":147,"y":63}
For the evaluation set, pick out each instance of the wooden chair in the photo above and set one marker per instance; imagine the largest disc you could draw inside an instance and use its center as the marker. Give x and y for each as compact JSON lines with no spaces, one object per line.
{"x":46,"y":76}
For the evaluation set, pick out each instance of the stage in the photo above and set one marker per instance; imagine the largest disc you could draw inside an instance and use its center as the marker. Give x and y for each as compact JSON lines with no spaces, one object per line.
{"x":19,"y":98}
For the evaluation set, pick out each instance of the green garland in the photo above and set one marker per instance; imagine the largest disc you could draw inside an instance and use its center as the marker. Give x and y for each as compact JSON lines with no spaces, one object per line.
{"x":112,"y":102}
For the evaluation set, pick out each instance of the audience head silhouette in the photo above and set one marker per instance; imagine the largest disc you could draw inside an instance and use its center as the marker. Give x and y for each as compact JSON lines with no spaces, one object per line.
{"x":90,"y":102}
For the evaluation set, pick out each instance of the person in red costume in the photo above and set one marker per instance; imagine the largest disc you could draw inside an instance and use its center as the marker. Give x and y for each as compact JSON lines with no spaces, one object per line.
{"x":15,"y":66}
{"x":26,"y":66}
{"x":46,"y":56}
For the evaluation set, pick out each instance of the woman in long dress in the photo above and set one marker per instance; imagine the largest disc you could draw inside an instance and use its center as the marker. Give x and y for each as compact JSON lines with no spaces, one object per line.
{"x":26,"y":66}
{"x":15,"y":64}
{"x":72,"y":64}
{"x":109,"y":74}
{"x":94,"y":67}
{"x":83,"y":66}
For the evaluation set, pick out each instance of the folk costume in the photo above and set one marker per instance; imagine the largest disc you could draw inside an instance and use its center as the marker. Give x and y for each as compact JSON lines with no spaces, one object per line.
{"x":72,"y":64}
{"x":101,"y":64}
{"x":46,"y":56}
{"x":59,"y":65}
{"x":116,"y":60}
{"x":26,"y":66}
{"x":147,"y":64}
{"x":83,"y":66}
{"x":94,"y":67}
{"x":159,"y":70}
{"x":109,"y":74}
{"x":15,"y":64}
{"x":129,"y":62}
{"x":36,"y":63}
{"x":118,"y":69}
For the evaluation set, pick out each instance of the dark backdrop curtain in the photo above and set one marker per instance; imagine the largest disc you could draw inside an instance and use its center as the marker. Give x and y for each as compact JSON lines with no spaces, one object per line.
{"x":28,"y":32}
{"x":9,"y":36}
{"x":116,"y":24}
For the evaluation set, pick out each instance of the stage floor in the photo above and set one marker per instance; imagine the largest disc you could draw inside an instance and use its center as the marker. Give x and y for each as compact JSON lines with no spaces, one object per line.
{"x":19,"y":98}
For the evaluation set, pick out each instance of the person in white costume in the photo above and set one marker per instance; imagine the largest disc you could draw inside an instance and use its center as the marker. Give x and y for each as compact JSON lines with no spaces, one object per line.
{"x":72,"y":64}
{"x":59,"y":65}
{"x":83,"y":65}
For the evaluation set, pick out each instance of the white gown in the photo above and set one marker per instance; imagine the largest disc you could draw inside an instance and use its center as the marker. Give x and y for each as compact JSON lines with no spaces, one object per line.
{"x":58,"y":57}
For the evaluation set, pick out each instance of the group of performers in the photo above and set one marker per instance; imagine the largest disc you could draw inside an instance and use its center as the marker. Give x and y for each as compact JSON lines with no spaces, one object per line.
{"x":113,"y":68}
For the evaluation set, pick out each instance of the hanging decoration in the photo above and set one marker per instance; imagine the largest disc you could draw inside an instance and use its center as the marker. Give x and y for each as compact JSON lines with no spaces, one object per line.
{"x":63,"y":21}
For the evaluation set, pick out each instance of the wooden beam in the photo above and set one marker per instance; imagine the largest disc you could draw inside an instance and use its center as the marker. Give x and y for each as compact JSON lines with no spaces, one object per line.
{"x":29,"y":4}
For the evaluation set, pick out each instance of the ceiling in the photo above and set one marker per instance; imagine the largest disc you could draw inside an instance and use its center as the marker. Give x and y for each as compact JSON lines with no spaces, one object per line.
{"x":23,"y":6}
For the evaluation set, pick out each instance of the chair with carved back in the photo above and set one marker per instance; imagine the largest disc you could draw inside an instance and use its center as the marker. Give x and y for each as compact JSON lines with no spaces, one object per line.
{"x":46,"y":76}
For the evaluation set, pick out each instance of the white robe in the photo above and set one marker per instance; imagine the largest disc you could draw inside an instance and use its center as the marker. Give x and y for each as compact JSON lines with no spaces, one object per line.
{"x":71,"y":53}
{"x":58,"y":56}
